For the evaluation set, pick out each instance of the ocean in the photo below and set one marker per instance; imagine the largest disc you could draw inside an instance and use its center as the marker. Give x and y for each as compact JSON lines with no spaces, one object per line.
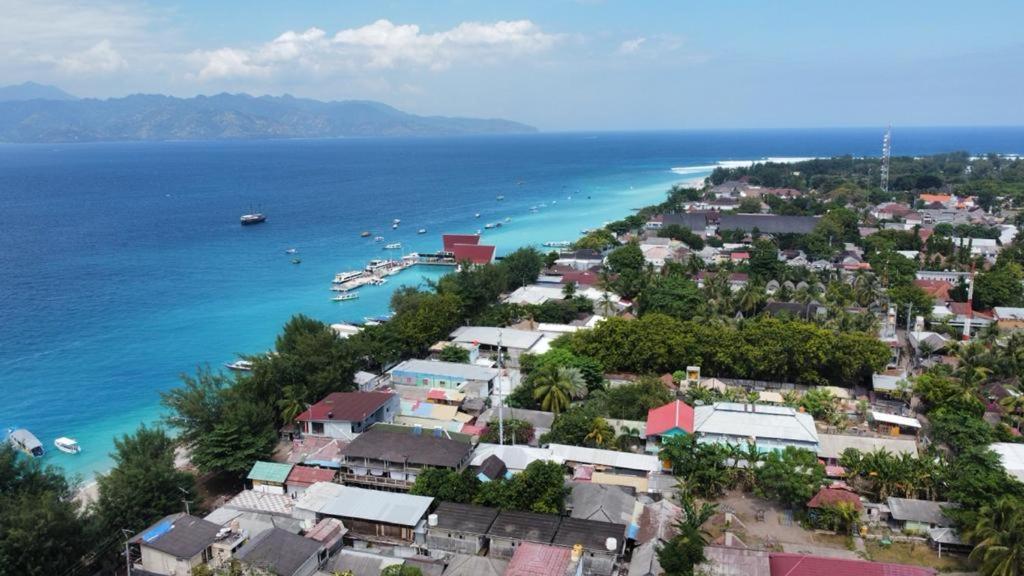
{"x":124,"y":265}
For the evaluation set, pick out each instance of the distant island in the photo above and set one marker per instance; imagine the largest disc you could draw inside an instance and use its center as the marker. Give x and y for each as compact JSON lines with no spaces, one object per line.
{"x":37,"y":113}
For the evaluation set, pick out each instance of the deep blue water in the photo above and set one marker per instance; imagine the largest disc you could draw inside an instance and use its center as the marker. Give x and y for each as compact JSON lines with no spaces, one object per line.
{"x":123,"y":265}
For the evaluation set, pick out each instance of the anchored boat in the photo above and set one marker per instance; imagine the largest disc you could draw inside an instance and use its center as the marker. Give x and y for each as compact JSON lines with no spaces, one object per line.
{"x":25,"y":441}
{"x":67,"y":445}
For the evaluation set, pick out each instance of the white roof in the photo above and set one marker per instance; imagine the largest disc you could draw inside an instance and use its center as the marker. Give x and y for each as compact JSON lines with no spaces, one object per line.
{"x":1009,"y":313}
{"x":1012,"y":457}
{"x":456,"y":370}
{"x":759,"y":421}
{"x":615,"y":459}
{"x":833,"y":445}
{"x":550,"y":328}
{"x":535,"y":294}
{"x":886,"y":381}
{"x":894,"y":419}
{"x":488,"y":336}
{"x":329,"y":499}
{"x":515,"y":457}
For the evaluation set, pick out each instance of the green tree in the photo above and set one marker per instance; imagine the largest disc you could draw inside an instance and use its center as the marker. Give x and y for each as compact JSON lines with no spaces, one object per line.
{"x":674,"y":295}
{"x":516,"y":431}
{"x":791,"y":476}
{"x":764,"y":261}
{"x":1000,"y":286}
{"x":999,"y":537}
{"x":453,"y":353}
{"x":523,"y":266}
{"x":627,"y":262}
{"x":702,"y":468}
{"x":446,"y":485}
{"x":601,"y":434}
{"x":401,"y":570}
{"x":197,"y":406}
{"x":749,"y":205}
{"x":539,"y":488}
{"x":685,"y":551}
{"x":555,"y":388}
{"x":245,"y":434}
{"x":143,"y":485}
{"x":632,"y":401}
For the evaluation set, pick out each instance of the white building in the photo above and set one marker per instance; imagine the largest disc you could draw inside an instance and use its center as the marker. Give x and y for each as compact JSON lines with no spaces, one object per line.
{"x":769,"y":427}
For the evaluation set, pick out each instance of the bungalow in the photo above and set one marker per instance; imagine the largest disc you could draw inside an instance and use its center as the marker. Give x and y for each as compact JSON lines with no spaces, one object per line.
{"x":893,"y":424}
{"x":370,"y":515}
{"x":832,"y":446}
{"x":393,"y":458}
{"x":460,"y":528}
{"x":918,"y":516}
{"x":737,"y":280}
{"x":302,"y":477}
{"x":174,"y":545}
{"x":830,"y":498}
{"x":470,"y":378}
{"x":344,"y":415}
{"x":589,"y":501}
{"x":672,"y":419}
{"x":512,"y":529}
{"x":769,"y":427}
{"x":269,"y":477}
{"x":281,"y":553}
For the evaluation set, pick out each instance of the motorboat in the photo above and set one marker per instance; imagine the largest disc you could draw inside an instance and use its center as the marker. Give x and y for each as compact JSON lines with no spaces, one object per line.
{"x":346,"y":296}
{"x":67,"y":445}
{"x":421,"y":231}
{"x":291,"y":251}
{"x":296,"y":260}
{"x":239,"y":366}
{"x":499,"y":197}
{"x":378,"y":239}
{"x":396,"y":221}
{"x":393,"y":246}
{"x":253,"y":218}
{"x":477,"y":215}
{"x":342,"y":277}
{"x":489,"y":225}
{"x":365,"y":234}
{"x":559,"y":244}
{"x":394,"y":226}
{"x":25,"y":441}
{"x":508,"y":219}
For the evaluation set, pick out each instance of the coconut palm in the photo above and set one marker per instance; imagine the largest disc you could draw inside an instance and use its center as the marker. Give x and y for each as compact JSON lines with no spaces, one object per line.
{"x":999,"y":534}
{"x":601,"y":432}
{"x":1014,"y":405}
{"x":749,"y":299}
{"x":555,"y":388}
{"x":629,"y":438}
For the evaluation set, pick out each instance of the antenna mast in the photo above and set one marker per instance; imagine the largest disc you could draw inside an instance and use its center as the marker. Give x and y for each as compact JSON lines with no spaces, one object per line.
{"x":886,"y":153}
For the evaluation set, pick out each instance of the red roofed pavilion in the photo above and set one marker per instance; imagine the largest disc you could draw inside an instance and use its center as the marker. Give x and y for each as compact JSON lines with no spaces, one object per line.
{"x":474,"y":253}
{"x":450,"y":240}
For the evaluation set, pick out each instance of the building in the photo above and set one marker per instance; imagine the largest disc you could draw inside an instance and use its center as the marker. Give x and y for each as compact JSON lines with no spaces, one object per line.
{"x":918,"y":516}
{"x":392,"y":458}
{"x":374,"y":516}
{"x":174,"y":545}
{"x":513,"y":342}
{"x":302,"y":477}
{"x":512,"y":529}
{"x":605,"y":460}
{"x":893,"y":424}
{"x":832,"y":446}
{"x":786,"y":564}
{"x":1009,"y":319}
{"x":466,"y":565}
{"x":603,"y":542}
{"x":532,"y":559}
{"x":672,"y":419}
{"x":515,"y":457}
{"x":269,"y":476}
{"x":460,"y":528}
{"x":769,"y":427}
{"x":604,"y":503}
{"x":540,"y":420}
{"x":1012,"y":457}
{"x":469,"y":378}
{"x":830,"y":498}
{"x":467,"y":247}
{"x":282,"y":553}
{"x":361,"y":563}
{"x":344,"y":415}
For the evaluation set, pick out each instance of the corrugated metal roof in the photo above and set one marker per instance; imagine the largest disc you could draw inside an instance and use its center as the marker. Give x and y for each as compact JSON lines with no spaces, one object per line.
{"x":451,"y":370}
{"x":833,"y":445}
{"x":894,"y":419}
{"x":275,"y":472}
{"x":1012,"y":457}
{"x":612,"y":458}
{"x":767,"y":422}
{"x":908,"y":509}
{"x":488,"y":336}
{"x":362,"y":504}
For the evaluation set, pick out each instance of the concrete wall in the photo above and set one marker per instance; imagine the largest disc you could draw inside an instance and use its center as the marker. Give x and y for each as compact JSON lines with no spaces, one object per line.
{"x":453,"y":541}
{"x":160,"y":563}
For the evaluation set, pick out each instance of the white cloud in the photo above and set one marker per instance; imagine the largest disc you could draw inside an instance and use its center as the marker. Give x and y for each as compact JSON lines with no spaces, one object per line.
{"x":631,"y":46}
{"x":99,"y":58}
{"x":380,"y":45}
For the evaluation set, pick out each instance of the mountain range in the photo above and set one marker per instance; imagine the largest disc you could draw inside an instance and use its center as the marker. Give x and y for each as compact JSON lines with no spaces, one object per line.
{"x":38,"y":113}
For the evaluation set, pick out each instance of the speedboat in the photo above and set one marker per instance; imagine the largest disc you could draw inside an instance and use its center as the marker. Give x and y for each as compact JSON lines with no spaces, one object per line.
{"x":393,"y":246}
{"x":378,"y":239}
{"x":396,"y":221}
{"x":508,"y":219}
{"x":25,"y":441}
{"x":296,"y":260}
{"x":394,"y":226}
{"x":68,"y":445}
{"x":239,"y":366}
{"x":489,"y":225}
{"x":346,"y":296}
{"x":365,"y":234}
{"x":477,"y":215}
{"x":421,"y":231}
{"x":254,"y":218}
{"x":499,"y":198}
{"x":291,"y":251}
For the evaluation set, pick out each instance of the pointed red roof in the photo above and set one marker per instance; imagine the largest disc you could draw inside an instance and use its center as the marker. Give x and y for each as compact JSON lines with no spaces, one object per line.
{"x":672,"y":415}
{"x":833,"y":496}
{"x":450,"y":240}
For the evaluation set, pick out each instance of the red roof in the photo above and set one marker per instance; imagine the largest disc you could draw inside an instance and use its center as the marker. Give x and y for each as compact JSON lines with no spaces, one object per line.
{"x":475,"y":253}
{"x":740,"y":255}
{"x":581,"y":278}
{"x":833,"y":496}
{"x":346,"y":406}
{"x":672,"y":415}
{"x":308,"y":475}
{"x":937,"y":289}
{"x":783,"y":564}
{"x":965,"y":309}
{"x":531,"y":559}
{"x":450,"y":240}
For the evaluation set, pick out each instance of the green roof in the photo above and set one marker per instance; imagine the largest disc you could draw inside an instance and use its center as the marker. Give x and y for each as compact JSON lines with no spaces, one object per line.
{"x":270,"y":472}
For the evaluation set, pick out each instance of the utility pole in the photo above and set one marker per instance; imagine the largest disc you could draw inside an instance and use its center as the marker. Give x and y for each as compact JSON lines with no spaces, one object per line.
{"x":886,"y":153}
{"x":501,"y":401}
{"x":127,"y":555}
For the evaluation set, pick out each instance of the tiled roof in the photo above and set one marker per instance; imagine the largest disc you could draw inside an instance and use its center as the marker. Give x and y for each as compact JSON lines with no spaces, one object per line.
{"x":346,"y":406}
{"x":308,"y":475}
{"x":539,"y":560}
{"x":784,"y":564}
{"x":673,"y":415}
{"x":450,"y":240}
{"x":833,"y":496}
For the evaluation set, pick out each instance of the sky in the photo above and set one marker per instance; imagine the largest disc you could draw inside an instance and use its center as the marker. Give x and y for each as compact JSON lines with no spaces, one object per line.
{"x":555,"y":64}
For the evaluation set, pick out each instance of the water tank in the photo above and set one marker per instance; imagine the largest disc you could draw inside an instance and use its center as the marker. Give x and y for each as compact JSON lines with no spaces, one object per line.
{"x":432,"y":520}
{"x":611,"y":544}
{"x":577,"y":552}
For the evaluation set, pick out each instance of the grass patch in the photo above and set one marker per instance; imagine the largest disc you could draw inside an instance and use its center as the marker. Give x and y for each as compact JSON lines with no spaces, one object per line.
{"x":918,"y":553}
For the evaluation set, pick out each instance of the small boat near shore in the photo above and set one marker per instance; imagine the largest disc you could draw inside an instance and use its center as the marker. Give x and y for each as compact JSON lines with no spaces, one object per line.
{"x":67,"y":445}
{"x":558,"y":244}
{"x":364,"y":234}
{"x":253,"y":218}
{"x":393,"y":246}
{"x":25,"y":441}
{"x":421,"y":231}
{"x":346,"y":296}
{"x":239,"y":366}
{"x":291,"y":251}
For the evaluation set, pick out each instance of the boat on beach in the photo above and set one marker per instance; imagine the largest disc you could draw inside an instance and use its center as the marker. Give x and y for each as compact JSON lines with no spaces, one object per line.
{"x":67,"y":445}
{"x":346,"y":296}
{"x":25,"y":441}
{"x":239,"y":366}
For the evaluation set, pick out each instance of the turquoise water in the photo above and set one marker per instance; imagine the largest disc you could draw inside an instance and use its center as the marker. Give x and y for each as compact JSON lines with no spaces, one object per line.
{"x":124,"y":264}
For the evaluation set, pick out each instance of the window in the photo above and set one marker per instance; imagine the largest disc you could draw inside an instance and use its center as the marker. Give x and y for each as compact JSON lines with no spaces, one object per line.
{"x":318,"y":428}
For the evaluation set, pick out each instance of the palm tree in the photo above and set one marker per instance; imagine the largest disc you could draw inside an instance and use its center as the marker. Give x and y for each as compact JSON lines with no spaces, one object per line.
{"x":749,"y":299}
{"x":629,"y":438}
{"x":555,"y":388}
{"x":569,"y":290}
{"x":999,"y":534}
{"x":1014,"y":405}
{"x":600,"y":432}
{"x":291,"y":404}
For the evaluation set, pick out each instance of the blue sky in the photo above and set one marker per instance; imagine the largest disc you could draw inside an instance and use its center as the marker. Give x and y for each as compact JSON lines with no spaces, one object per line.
{"x":556,"y":64}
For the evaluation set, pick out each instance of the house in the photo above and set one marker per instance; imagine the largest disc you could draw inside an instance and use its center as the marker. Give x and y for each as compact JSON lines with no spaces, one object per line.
{"x":658,"y":521}
{"x":174,"y":545}
{"x":918,"y":516}
{"x":269,"y":477}
{"x":893,"y":424}
{"x":672,"y":419}
{"x":787,"y":564}
{"x":491,"y":469}
{"x":302,"y":477}
{"x":374,"y":516}
{"x":472,"y":379}
{"x":589,"y":501}
{"x":603,"y":542}
{"x":581,"y":260}
{"x":515,"y":457}
{"x":460,"y":528}
{"x":725,"y":560}
{"x":832,"y":497}
{"x":465,"y":565}
{"x":533,"y":559}
{"x":768,"y":223}
{"x":937,"y":289}
{"x":770,"y":427}
{"x":513,"y":528}
{"x":1008,"y":318}
{"x":282,"y":553}
{"x":808,"y":311}
{"x":467,"y":247}
{"x":391,"y":458}
{"x":513,"y":342}
{"x":344,"y":415}
{"x":737,"y":280}
{"x":361,"y":563}
{"x":605,"y":460}
{"x":540,"y":420}
{"x":1012,"y":457}
{"x":832,"y":446}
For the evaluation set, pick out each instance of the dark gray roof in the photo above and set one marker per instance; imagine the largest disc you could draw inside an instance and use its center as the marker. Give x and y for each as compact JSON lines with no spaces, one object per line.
{"x":492,"y":467}
{"x":692,"y":220}
{"x":278,"y":551}
{"x":179,"y":535}
{"x":925,"y":511}
{"x":601,"y":502}
{"x":528,"y":526}
{"x":465,"y":565}
{"x":590,"y":533}
{"x":465,"y":517}
{"x":360,"y":563}
{"x":768,"y":223}
{"x":392,"y":446}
